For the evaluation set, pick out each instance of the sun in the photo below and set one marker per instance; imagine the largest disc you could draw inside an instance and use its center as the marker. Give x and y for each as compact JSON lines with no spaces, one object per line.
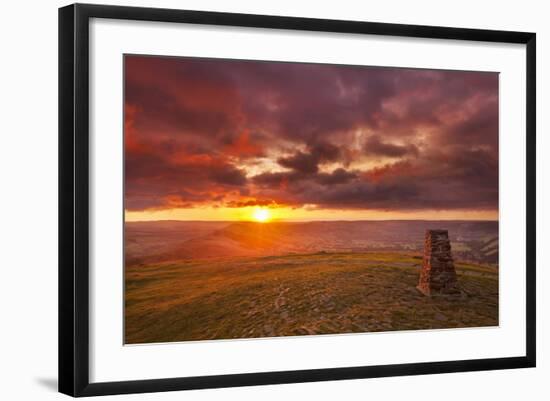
{"x":261,"y":215}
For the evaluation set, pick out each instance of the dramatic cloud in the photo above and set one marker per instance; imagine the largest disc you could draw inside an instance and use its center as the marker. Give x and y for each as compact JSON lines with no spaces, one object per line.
{"x":205,"y":132}
{"x":308,"y":162}
{"x":374,"y":146}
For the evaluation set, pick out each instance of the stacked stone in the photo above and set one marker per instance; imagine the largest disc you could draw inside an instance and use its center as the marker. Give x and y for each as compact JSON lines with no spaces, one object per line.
{"x":438,"y":275}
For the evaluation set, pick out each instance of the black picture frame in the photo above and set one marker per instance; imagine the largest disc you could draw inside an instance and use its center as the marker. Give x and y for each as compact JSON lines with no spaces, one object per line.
{"x":74,"y":191}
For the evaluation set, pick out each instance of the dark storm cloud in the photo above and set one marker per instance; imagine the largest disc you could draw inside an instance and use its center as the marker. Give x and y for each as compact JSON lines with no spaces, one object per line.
{"x":481,"y":127}
{"x":306,"y":101}
{"x":283,"y":180}
{"x":338,"y":176}
{"x":194,"y":128}
{"x":228,"y":175}
{"x":405,"y":185}
{"x":299,"y":161}
{"x":308,"y":162}
{"x":374,"y":146}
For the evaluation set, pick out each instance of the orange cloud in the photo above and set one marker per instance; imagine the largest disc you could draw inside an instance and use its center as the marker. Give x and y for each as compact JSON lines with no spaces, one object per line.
{"x":243,"y":147}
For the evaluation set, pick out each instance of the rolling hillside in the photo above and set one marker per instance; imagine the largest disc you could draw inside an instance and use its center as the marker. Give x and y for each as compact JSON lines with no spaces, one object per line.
{"x":155,"y":242}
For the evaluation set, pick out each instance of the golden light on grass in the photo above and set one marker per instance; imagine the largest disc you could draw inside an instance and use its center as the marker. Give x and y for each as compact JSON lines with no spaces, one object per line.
{"x":261,"y":215}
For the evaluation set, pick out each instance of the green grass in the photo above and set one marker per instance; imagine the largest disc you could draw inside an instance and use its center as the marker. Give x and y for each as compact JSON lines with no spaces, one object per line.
{"x":322,"y":293}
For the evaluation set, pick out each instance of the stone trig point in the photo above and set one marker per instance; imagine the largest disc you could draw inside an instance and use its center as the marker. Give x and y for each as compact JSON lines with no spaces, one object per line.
{"x":438,"y":275}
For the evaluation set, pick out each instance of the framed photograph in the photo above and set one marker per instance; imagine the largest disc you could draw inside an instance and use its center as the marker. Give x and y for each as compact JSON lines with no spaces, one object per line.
{"x":250,"y":199}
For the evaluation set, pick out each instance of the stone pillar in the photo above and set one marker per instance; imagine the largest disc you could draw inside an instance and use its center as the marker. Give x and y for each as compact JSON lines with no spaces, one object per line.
{"x":438,"y":275}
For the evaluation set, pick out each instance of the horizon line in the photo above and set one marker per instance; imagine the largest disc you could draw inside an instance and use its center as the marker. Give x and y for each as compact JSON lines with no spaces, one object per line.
{"x":307,"y":221}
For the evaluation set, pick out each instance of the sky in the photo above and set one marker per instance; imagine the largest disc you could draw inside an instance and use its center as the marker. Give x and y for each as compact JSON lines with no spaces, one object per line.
{"x":212,"y":139}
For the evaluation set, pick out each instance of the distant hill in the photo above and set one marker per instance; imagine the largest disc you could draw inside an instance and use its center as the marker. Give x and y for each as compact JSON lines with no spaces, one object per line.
{"x":151,"y":242}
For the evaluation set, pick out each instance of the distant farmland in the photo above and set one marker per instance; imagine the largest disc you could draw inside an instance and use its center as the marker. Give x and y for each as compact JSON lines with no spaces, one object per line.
{"x":153,"y":242}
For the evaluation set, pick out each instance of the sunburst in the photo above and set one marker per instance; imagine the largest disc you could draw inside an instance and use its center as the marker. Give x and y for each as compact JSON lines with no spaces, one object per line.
{"x":261,"y":215}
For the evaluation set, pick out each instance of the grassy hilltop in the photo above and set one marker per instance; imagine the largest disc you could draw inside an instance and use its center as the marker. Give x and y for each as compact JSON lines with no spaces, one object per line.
{"x":317,"y":293}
